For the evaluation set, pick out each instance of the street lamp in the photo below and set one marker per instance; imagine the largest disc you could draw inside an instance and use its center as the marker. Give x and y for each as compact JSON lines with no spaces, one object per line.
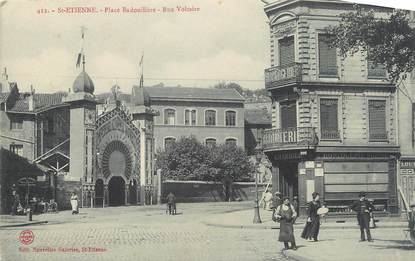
{"x":258,"y":155}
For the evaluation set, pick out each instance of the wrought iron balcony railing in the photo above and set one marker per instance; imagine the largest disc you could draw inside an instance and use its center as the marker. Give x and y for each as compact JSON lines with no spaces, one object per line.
{"x":302,"y":136}
{"x":330,"y":135}
{"x":280,"y":75}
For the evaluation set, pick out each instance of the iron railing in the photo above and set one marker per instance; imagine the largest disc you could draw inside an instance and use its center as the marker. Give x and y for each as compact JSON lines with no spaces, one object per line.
{"x":280,"y":75}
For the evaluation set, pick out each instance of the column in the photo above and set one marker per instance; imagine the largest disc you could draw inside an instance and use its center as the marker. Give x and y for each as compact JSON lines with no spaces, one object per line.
{"x":126,"y":194}
{"x":275,"y":178}
{"x":105,"y":199}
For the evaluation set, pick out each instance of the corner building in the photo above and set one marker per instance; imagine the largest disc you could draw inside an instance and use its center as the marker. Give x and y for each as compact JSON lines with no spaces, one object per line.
{"x":333,"y":118}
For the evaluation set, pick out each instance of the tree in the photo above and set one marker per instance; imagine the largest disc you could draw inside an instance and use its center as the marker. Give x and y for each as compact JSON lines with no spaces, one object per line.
{"x":386,"y":40}
{"x":231,"y":163}
{"x":188,"y":159}
{"x":231,"y":85}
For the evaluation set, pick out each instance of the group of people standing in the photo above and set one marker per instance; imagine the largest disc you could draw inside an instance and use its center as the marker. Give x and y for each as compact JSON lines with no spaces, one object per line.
{"x":286,"y":214}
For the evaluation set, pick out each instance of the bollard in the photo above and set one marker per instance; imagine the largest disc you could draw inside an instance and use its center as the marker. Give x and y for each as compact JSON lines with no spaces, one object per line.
{"x":29,"y":214}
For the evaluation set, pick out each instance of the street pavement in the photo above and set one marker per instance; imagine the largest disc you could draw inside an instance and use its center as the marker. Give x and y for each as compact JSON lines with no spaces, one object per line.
{"x":200,"y":231}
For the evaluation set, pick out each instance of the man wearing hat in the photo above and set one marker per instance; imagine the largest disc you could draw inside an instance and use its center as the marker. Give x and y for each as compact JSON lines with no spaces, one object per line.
{"x":363,"y":208}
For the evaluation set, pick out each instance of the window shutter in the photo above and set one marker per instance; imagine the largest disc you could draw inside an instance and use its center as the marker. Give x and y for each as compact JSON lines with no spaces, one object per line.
{"x":287,"y":52}
{"x":375,"y":70}
{"x":328,"y":119}
{"x":377,"y":120}
{"x":289,"y":115}
{"x":327,"y":56}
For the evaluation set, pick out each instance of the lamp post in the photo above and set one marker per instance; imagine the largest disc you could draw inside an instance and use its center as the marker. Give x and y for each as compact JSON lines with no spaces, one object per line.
{"x":258,"y":155}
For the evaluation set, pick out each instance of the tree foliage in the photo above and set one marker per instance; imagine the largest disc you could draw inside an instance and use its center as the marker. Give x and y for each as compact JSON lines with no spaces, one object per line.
{"x":390,"y":40}
{"x":188,"y":159}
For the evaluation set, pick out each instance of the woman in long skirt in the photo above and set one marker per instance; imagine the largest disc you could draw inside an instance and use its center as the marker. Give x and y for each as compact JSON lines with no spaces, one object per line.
{"x":312,"y":226}
{"x":286,"y":214}
{"x":74,"y":203}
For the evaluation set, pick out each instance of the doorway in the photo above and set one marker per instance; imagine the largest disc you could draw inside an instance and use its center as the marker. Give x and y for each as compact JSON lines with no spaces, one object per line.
{"x":288,"y":178}
{"x":116,"y":191}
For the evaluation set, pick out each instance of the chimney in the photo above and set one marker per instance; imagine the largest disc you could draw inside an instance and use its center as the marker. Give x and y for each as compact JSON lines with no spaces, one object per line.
{"x":31,"y":99}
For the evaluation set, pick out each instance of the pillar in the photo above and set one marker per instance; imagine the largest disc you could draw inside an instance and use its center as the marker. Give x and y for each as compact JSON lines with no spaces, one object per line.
{"x":126,"y":193}
{"x":275,"y":178}
{"x":105,"y":199}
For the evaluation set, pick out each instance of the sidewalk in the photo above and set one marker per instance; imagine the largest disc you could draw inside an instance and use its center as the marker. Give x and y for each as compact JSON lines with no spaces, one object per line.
{"x":389,"y":244}
{"x":244,"y":219}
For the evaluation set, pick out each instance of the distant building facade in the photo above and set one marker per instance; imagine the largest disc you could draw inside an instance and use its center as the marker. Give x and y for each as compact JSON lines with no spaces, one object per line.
{"x":213,"y":116}
{"x":334,"y":119}
{"x":257,"y":120}
{"x":61,"y":143}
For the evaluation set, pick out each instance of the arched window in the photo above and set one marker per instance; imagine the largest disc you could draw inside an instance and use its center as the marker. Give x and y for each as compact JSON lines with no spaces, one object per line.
{"x":168,"y":142}
{"x":231,"y":142}
{"x":230,"y":117}
{"x":210,"y":142}
{"x":210,"y":118}
{"x":169,"y":116}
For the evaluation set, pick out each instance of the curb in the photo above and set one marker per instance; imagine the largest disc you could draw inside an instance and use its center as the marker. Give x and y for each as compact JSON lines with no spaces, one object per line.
{"x":297,"y":227}
{"x":24,"y":224}
{"x":240,"y":226}
{"x":293,"y":256}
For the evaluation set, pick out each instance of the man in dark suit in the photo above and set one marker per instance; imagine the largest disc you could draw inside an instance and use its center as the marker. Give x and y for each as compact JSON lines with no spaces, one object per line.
{"x":363,"y":208}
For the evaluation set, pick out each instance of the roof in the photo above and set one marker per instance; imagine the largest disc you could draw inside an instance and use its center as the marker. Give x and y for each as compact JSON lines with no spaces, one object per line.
{"x":83,"y":83}
{"x":257,"y":116}
{"x":193,"y":93}
{"x":41,"y":100}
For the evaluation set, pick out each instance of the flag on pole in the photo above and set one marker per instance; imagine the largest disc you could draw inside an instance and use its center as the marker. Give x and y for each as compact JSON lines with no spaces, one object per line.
{"x":78,"y":61}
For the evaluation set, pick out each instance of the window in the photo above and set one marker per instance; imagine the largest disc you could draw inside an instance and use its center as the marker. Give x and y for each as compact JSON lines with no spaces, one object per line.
{"x":328,"y":119}
{"x":231,"y":142}
{"x":17,"y":149}
{"x":210,"y":142}
{"x":288,"y":114}
{"x":375,"y":70}
{"x":230,"y":118}
{"x":168,"y":142}
{"x":16,"y":123}
{"x":169,"y":116}
{"x":287,"y":52}
{"x":377,"y":120}
{"x":327,"y":56}
{"x":190,"y":117}
{"x":210,"y":118}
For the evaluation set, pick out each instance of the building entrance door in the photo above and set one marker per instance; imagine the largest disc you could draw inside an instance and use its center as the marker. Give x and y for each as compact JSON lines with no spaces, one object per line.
{"x":288,"y":178}
{"x":116,"y":191}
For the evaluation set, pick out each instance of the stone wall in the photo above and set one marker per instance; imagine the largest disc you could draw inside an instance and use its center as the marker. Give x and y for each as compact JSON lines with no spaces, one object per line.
{"x":200,"y":191}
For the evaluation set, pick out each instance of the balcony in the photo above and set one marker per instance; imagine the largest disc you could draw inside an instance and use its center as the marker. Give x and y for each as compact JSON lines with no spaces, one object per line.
{"x":290,"y":138}
{"x":282,"y":75}
{"x":330,"y":135}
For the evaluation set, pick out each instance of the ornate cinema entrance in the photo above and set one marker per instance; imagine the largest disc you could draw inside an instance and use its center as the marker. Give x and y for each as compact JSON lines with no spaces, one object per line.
{"x":118,"y":158}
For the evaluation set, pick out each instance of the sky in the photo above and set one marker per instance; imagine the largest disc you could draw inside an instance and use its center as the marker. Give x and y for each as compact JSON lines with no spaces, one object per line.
{"x":224,"y":41}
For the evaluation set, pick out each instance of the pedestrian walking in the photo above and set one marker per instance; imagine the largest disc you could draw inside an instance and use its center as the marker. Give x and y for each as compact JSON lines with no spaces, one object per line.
{"x":276,"y":200}
{"x":171,"y":203}
{"x":268,"y":200}
{"x":363,"y":208}
{"x":285,"y":214}
{"x":312,"y":227}
{"x":74,"y":203}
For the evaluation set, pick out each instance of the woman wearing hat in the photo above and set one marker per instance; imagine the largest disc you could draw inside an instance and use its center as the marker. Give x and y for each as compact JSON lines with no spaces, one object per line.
{"x":312,"y":227}
{"x":286,"y":214}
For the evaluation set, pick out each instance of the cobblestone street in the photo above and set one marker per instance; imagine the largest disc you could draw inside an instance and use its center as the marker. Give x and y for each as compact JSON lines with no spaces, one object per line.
{"x":134,"y":233}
